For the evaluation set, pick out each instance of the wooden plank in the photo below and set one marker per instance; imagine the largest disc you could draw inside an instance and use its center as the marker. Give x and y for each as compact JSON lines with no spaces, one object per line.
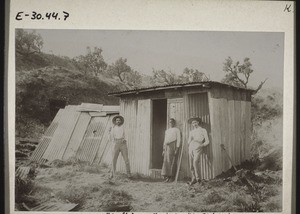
{"x":243,"y":131}
{"x":231,"y":130}
{"x":184,"y":167}
{"x":225,"y":137}
{"x":237,"y":108}
{"x":215,"y":132}
{"x":143,"y":135}
{"x":248,"y":130}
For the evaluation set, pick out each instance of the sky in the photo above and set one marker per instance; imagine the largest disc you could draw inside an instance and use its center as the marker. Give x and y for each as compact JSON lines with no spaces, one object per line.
{"x":175,"y":50}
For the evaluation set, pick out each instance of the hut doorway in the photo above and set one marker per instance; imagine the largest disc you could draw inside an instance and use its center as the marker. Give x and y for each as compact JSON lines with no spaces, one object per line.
{"x":159,"y":125}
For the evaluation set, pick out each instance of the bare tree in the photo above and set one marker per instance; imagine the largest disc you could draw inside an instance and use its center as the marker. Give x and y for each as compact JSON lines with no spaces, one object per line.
{"x":238,"y":74}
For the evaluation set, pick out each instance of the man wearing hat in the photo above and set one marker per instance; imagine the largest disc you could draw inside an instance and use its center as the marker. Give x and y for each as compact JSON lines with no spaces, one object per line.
{"x":198,"y":139}
{"x":117,"y":135}
{"x":170,"y":150}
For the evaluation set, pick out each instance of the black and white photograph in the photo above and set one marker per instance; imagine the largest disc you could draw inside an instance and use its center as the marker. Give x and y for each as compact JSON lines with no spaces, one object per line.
{"x":136,"y":120}
{"x":130,"y":120}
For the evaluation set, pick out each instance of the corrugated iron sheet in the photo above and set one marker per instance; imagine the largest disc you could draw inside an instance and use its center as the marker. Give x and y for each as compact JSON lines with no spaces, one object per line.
{"x":62,"y":135}
{"x":71,"y":107}
{"x":45,"y":140}
{"x":54,"y":206}
{"x":137,"y":135}
{"x":128,"y":109}
{"x":98,"y":114}
{"x":66,"y":134}
{"x":90,"y":107}
{"x":92,"y":139}
{"x":111,"y":109}
{"x":104,"y":151}
{"x":230,"y":126}
{"x":77,"y":135}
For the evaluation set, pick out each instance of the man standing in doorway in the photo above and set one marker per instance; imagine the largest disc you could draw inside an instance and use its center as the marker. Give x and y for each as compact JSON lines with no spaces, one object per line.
{"x":170,"y":150}
{"x":198,"y":139}
{"x":117,"y":135}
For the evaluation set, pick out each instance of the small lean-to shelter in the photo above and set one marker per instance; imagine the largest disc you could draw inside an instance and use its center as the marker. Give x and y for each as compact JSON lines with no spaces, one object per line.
{"x":80,"y":132}
{"x":225,"y":111}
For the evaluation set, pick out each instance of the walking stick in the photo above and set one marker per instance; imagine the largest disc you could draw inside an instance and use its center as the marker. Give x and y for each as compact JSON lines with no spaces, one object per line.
{"x":178,"y":167}
{"x":223,"y":147}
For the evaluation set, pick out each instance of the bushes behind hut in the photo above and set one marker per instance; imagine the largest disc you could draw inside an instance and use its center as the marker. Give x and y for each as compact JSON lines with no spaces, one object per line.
{"x":267,"y":119}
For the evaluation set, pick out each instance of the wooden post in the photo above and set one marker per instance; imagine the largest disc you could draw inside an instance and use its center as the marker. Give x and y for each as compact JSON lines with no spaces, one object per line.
{"x":178,"y":167}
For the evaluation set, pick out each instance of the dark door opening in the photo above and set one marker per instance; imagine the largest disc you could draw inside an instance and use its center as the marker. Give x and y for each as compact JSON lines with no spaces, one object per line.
{"x":159,"y":125}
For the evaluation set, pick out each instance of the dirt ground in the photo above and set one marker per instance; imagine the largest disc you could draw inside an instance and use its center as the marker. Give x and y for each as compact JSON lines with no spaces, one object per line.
{"x":91,"y":188}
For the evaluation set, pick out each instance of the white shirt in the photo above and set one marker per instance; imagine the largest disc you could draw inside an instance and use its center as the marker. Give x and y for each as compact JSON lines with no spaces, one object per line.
{"x":117,"y":132}
{"x":197,"y":136}
{"x":172,"y":134}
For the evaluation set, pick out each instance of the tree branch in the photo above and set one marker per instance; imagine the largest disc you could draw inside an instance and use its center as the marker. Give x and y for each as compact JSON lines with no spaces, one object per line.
{"x":260,"y":86}
{"x":237,"y":77}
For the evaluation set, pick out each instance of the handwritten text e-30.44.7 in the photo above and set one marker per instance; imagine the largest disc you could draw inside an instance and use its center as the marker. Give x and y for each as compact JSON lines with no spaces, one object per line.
{"x":42,"y":16}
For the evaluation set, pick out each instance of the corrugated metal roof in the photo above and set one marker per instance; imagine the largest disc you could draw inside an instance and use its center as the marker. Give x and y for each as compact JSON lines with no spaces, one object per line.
{"x":204,"y":84}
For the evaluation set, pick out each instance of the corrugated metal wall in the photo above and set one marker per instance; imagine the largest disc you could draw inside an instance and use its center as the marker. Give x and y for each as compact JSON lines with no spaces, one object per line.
{"x":45,"y":140}
{"x":61,"y":137}
{"x":128,"y":109}
{"x":92,"y":139}
{"x":231,"y":126}
{"x":227,"y":120}
{"x":197,"y":105}
{"x":81,"y":136}
{"x":77,"y":136}
{"x":104,"y":151}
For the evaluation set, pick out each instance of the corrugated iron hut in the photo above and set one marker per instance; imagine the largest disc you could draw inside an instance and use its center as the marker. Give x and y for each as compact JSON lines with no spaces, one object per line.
{"x":225,"y":110}
{"x":78,"y":131}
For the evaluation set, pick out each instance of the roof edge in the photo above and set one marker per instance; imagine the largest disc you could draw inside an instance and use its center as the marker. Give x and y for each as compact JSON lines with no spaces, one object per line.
{"x":207,"y":84}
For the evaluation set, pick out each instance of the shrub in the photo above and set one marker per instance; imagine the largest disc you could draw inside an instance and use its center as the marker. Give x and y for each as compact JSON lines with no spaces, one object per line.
{"x":111,"y":197}
{"x":22,"y":189}
{"x":73,"y":194}
{"x":213,"y":197}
